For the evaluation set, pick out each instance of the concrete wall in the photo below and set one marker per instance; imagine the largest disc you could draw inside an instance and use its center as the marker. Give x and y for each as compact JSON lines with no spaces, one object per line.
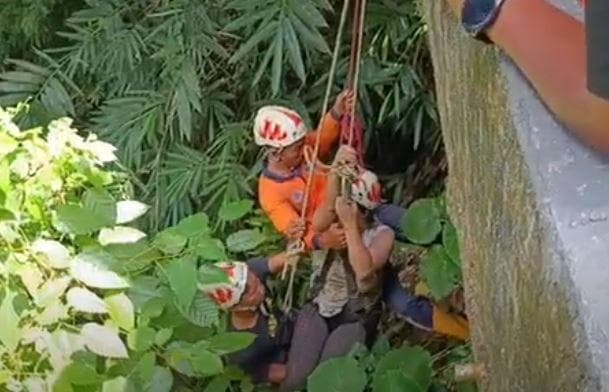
{"x":532,"y":207}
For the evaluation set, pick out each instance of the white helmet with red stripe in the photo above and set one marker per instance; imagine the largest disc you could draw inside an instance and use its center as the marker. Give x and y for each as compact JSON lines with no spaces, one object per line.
{"x":366,"y":190}
{"x":228,"y":294}
{"x":276,"y":126}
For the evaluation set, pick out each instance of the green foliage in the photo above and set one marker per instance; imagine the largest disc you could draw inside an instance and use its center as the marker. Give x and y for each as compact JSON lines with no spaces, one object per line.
{"x":422,"y":224}
{"x":174,"y":83}
{"x":440,"y":272}
{"x":86,"y":302}
{"x":337,"y":375}
{"x":244,"y":240}
{"x":32,"y":22}
{"x":413,"y":364}
{"x":382,"y":369}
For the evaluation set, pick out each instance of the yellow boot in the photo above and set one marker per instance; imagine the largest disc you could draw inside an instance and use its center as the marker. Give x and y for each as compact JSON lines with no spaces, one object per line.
{"x":450,"y":324}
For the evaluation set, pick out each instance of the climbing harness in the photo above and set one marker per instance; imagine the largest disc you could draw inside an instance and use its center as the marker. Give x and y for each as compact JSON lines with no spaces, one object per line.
{"x":349,"y":129}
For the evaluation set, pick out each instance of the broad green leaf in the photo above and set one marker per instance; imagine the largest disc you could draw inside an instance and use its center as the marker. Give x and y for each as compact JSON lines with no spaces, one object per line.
{"x":5,"y":375}
{"x":118,"y":384}
{"x":229,"y":342}
{"x":56,"y":255}
{"x":81,"y":373}
{"x":182,"y":275}
{"x":421,"y":223}
{"x":170,"y":241}
{"x":193,"y":226}
{"x":34,"y":384}
{"x":244,"y":240}
{"x":7,"y":144}
{"x":74,"y":219}
{"x":120,"y":235}
{"x":8,"y":233}
{"x":413,"y":362}
{"x":154,"y":307}
{"x":233,"y":211}
{"x":6,"y":215}
{"x":102,"y":204}
{"x":10,"y":333}
{"x":209,"y":249}
{"x":103,"y":341}
{"x":439,"y":273}
{"x":31,"y":277}
{"x":143,"y":289}
{"x":337,"y":375}
{"x":450,"y":241}
{"x":178,"y":356}
{"x":20,"y":166}
{"x":206,"y":363}
{"x":209,"y":275}
{"x":132,"y":258}
{"x":129,"y":210}
{"x":380,"y":347}
{"x":220,"y":383}
{"x":98,"y":211}
{"x":93,"y":271}
{"x":145,"y":367}
{"x":162,"y":380}
{"x":84,"y":300}
{"x":202,"y":312}
{"x":121,"y":311}
{"x":52,"y":290}
{"x":141,"y":338}
{"x":396,"y":381}
{"x":62,"y":345}
{"x":102,"y":151}
{"x":52,"y":313}
{"x":163,"y":336}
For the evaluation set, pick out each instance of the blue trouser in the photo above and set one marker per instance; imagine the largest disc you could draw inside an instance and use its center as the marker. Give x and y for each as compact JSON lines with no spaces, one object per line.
{"x":418,"y":311}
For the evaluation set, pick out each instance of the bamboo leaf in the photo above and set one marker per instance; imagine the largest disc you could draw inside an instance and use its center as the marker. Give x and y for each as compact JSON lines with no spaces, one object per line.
{"x":277,"y":68}
{"x":294,"y":50}
{"x":265,"y":32}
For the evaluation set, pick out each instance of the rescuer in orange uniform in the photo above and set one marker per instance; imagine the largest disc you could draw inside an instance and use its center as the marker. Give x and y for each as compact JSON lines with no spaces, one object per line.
{"x":282,"y":184}
{"x":281,"y":192}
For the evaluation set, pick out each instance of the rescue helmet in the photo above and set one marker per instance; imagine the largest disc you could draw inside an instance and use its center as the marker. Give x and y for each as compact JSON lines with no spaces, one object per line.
{"x":277,"y":126}
{"x":228,"y":294}
{"x":366,"y":190}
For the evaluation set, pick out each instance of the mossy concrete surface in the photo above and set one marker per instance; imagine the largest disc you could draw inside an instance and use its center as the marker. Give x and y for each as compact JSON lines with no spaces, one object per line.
{"x":531,"y":205}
